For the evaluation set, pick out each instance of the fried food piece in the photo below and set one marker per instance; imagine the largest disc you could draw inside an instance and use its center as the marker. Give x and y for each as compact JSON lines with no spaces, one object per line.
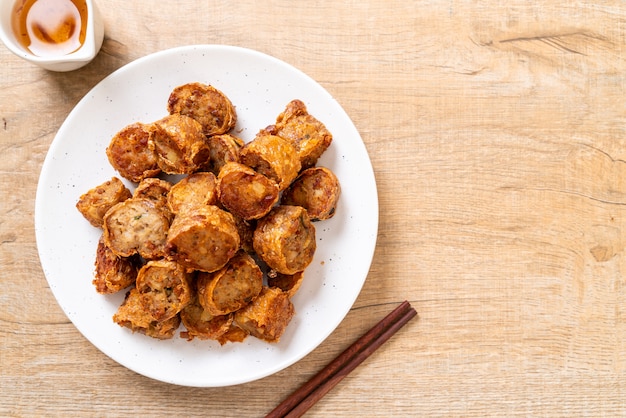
{"x":317,"y":190}
{"x":201,"y":324}
{"x":246,"y":193}
{"x":164,"y":288}
{"x":232,"y":287}
{"x":288,"y":283}
{"x":153,"y":189}
{"x":96,"y":202}
{"x":234,"y":334}
{"x":224,"y":149}
{"x":180,"y":145}
{"x":267,"y":316}
{"x":132,"y":315}
{"x":285,"y":239}
{"x":112,"y":273}
{"x":203,"y":239}
{"x":136,"y":226}
{"x":206,"y":104}
{"x":197,"y":189}
{"x":131,"y":153}
{"x":306,"y":133}
{"x":272,"y":156}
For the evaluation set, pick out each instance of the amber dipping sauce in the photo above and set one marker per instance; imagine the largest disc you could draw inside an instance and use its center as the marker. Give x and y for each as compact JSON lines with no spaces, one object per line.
{"x":49,"y":28}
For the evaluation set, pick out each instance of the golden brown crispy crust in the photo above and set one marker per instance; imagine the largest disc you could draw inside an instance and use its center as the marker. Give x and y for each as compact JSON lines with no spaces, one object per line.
{"x":201,"y":324}
{"x":112,"y":273}
{"x":317,"y":190}
{"x":288,"y":283}
{"x":132,"y":315}
{"x":197,"y":189}
{"x":131,"y":152}
{"x":154,"y":189}
{"x":164,"y":287}
{"x":95,"y":203}
{"x":272,"y":156}
{"x":206,"y":104}
{"x":306,"y":133}
{"x":235,"y":334}
{"x":204,"y":238}
{"x":267,"y":316}
{"x":136,"y":226}
{"x":180,"y":145}
{"x":246,"y":193}
{"x":232,"y":287}
{"x":224,"y":149}
{"x":285,"y":239}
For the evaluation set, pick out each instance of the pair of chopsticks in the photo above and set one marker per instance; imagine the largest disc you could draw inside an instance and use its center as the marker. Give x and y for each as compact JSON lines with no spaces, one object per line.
{"x":308,"y":394}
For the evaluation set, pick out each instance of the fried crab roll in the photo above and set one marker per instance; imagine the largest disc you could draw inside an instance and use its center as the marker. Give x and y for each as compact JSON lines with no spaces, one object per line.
{"x":153,"y":189}
{"x":203,"y":239}
{"x":232,"y":287}
{"x":272,"y":156}
{"x":306,"y":133}
{"x":289,"y":283}
{"x":180,"y":144}
{"x":201,"y":324}
{"x":164,"y":287}
{"x":224,"y":149}
{"x":136,"y":226}
{"x":131,"y":153}
{"x":317,"y":190}
{"x":112,"y":273}
{"x":267,"y":316}
{"x":132,"y":315}
{"x":96,"y":202}
{"x":285,"y":239}
{"x":197,"y":189}
{"x":246,"y":193}
{"x":206,"y":104}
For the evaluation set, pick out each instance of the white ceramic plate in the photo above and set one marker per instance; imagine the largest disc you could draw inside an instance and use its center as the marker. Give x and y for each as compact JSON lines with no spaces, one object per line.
{"x":260,"y":86}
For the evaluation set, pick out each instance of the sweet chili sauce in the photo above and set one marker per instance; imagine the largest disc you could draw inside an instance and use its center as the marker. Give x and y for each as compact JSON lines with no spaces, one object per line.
{"x":50,"y":28}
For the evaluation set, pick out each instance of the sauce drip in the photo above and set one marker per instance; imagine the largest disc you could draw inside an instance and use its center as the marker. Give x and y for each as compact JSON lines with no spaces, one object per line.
{"x":49,"y":28}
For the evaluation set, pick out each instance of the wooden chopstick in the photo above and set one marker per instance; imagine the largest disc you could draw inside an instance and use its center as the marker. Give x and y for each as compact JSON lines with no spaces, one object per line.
{"x":312,"y":391}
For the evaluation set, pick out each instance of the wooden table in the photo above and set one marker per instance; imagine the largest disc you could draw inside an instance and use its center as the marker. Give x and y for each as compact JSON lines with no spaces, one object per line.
{"x":497,"y":135}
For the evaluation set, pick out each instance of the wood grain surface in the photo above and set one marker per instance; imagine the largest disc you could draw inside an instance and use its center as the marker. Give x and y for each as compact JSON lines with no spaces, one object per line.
{"x":496,"y":133}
